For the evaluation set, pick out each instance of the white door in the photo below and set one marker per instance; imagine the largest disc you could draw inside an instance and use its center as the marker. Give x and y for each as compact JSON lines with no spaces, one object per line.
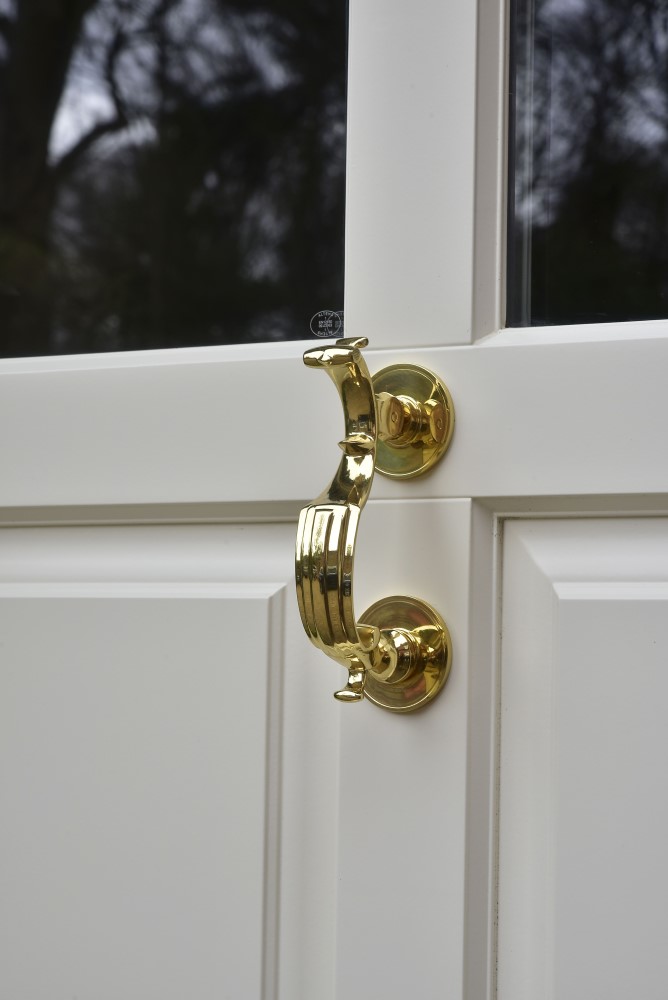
{"x":186,"y":810}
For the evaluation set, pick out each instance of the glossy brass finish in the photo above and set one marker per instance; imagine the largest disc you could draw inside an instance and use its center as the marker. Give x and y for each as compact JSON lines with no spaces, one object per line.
{"x":416,"y":417}
{"x":425,"y":670}
{"x":399,"y":654}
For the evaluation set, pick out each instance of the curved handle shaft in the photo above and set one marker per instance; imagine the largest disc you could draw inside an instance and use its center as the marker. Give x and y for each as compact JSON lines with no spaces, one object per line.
{"x":328,"y":526}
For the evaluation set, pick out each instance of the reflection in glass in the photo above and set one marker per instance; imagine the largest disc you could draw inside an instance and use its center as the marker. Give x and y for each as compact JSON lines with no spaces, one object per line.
{"x":588,"y":221}
{"x":171,"y":171}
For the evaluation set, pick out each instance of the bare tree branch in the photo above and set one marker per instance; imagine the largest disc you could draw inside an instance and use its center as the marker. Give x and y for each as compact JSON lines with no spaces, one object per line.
{"x":69,"y":160}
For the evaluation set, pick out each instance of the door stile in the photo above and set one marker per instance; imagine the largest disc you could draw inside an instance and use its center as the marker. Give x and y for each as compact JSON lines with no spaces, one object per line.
{"x":486,"y":555}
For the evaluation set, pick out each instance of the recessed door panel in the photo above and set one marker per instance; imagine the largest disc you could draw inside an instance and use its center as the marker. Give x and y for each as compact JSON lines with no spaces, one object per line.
{"x":584,"y":748}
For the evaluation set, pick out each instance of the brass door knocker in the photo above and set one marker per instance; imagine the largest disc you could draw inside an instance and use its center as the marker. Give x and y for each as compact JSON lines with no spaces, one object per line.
{"x":400,"y":422}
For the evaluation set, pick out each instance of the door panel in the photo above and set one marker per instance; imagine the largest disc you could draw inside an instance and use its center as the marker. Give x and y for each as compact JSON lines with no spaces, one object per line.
{"x":126,"y":818}
{"x":141,"y":706}
{"x":583,"y":804}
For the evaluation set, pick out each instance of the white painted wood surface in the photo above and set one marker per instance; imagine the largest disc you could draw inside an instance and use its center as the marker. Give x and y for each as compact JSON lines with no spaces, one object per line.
{"x":545,"y":416}
{"x":415,"y":870}
{"x":584,"y":749}
{"x":170,"y":477}
{"x":128,"y":825}
{"x":155,"y":704}
{"x":404,"y":283}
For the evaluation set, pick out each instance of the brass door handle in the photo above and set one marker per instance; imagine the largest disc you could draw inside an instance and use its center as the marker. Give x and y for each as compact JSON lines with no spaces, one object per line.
{"x":400,"y":422}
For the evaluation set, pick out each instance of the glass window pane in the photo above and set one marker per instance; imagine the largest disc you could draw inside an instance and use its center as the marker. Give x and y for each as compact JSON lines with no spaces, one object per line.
{"x":171,"y":172}
{"x":588,"y":216}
